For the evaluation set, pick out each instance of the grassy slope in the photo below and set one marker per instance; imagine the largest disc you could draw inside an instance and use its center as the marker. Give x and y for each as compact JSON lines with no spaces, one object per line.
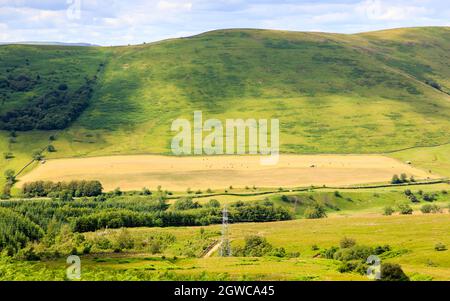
{"x":414,"y":237}
{"x":333,"y":93}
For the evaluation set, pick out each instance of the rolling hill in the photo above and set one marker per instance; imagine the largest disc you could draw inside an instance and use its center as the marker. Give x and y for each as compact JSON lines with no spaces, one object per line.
{"x":373,"y":92}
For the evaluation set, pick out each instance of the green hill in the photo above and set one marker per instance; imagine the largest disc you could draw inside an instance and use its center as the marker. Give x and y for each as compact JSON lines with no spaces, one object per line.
{"x":333,"y":93}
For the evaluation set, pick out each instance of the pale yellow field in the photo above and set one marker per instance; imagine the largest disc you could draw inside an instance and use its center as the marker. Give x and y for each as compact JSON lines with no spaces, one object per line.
{"x":219,"y":172}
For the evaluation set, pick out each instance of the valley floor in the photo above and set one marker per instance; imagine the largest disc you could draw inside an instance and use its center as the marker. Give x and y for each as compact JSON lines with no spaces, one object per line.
{"x":412,"y":239}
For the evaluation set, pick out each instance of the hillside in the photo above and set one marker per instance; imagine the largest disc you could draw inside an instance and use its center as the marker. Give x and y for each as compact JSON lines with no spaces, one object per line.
{"x":365,"y":93}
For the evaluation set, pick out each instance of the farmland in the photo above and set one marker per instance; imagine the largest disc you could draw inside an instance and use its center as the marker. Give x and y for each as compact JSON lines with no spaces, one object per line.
{"x":221,"y":172}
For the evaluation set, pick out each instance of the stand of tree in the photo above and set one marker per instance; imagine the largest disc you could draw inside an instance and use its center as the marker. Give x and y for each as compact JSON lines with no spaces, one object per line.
{"x":117,"y":212}
{"x":52,"y":111}
{"x":73,"y":188}
{"x":16,"y":231}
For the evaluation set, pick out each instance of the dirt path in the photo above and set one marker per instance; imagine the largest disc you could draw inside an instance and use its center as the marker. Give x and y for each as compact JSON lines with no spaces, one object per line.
{"x":212,"y":249}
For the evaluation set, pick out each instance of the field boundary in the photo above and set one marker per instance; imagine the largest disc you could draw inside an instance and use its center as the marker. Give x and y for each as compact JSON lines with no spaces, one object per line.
{"x":358,"y":187}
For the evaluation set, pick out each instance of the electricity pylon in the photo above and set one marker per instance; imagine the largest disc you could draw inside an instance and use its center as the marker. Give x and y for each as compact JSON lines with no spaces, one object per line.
{"x":225,"y":248}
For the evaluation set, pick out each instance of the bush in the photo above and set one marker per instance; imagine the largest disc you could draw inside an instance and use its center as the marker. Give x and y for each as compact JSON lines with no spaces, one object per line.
{"x":428,"y":208}
{"x":124,"y":240}
{"x":146,"y":191}
{"x":413,"y":198}
{"x":395,"y":180}
{"x":51,"y":149}
{"x":255,"y":246}
{"x":213,"y":204}
{"x":388,"y":211}
{"x":405,"y":209}
{"x":347,"y":243}
{"x":278,"y":252}
{"x":315,"y":212}
{"x":382,"y":249}
{"x":353,"y":253}
{"x":186,"y":204}
{"x":392,"y":272}
{"x":10,"y":176}
{"x":8,"y":155}
{"x":440,"y":247}
{"x":347,"y":267}
{"x":429,"y":197}
{"x":329,"y":253}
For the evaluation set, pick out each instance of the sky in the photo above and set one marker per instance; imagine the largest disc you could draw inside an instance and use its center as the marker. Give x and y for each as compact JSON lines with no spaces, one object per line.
{"x":113,"y":22}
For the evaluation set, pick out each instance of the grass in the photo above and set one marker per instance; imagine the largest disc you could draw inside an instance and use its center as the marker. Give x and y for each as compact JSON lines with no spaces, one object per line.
{"x":351,"y":213}
{"x":412,"y":239}
{"x":435,"y":159}
{"x":364,"y":93}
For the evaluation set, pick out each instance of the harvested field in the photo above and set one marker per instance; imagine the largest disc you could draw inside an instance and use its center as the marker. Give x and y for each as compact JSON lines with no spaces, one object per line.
{"x":180,"y":173}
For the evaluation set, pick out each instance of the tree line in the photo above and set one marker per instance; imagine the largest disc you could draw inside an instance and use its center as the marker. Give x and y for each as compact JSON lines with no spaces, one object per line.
{"x":73,"y":188}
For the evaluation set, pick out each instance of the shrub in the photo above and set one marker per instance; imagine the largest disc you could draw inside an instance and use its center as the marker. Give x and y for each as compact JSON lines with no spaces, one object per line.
{"x":102,"y":243}
{"x":315,"y":247}
{"x":382,"y":249}
{"x":146,"y":191}
{"x":315,"y":212}
{"x":413,"y":198}
{"x":347,"y":243}
{"x":403,"y":178}
{"x":124,"y":240}
{"x":440,"y":247}
{"x":329,"y":253}
{"x":395,"y":179}
{"x":429,"y":208}
{"x":388,"y":211}
{"x":8,"y":155}
{"x":347,"y":267}
{"x":405,"y":209}
{"x":51,"y":149}
{"x":278,"y":252}
{"x":353,"y":253}
{"x":429,"y":197}
{"x":392,"y":272}
{"x":213,"y":204}
{"x":408,"y":192}
{"x":186,"y":204}
{"x":10,"y":176}
{"x":255,"y":246}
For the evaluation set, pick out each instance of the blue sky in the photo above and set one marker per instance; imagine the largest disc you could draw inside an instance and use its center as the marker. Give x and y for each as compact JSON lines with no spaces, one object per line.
{"x":111,"y":22}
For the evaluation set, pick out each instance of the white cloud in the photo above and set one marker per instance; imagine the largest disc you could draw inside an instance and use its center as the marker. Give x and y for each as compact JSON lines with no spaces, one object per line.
{"x":115,"y":22}
{"x":383,"y":10}
{"x":174,"y":6}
